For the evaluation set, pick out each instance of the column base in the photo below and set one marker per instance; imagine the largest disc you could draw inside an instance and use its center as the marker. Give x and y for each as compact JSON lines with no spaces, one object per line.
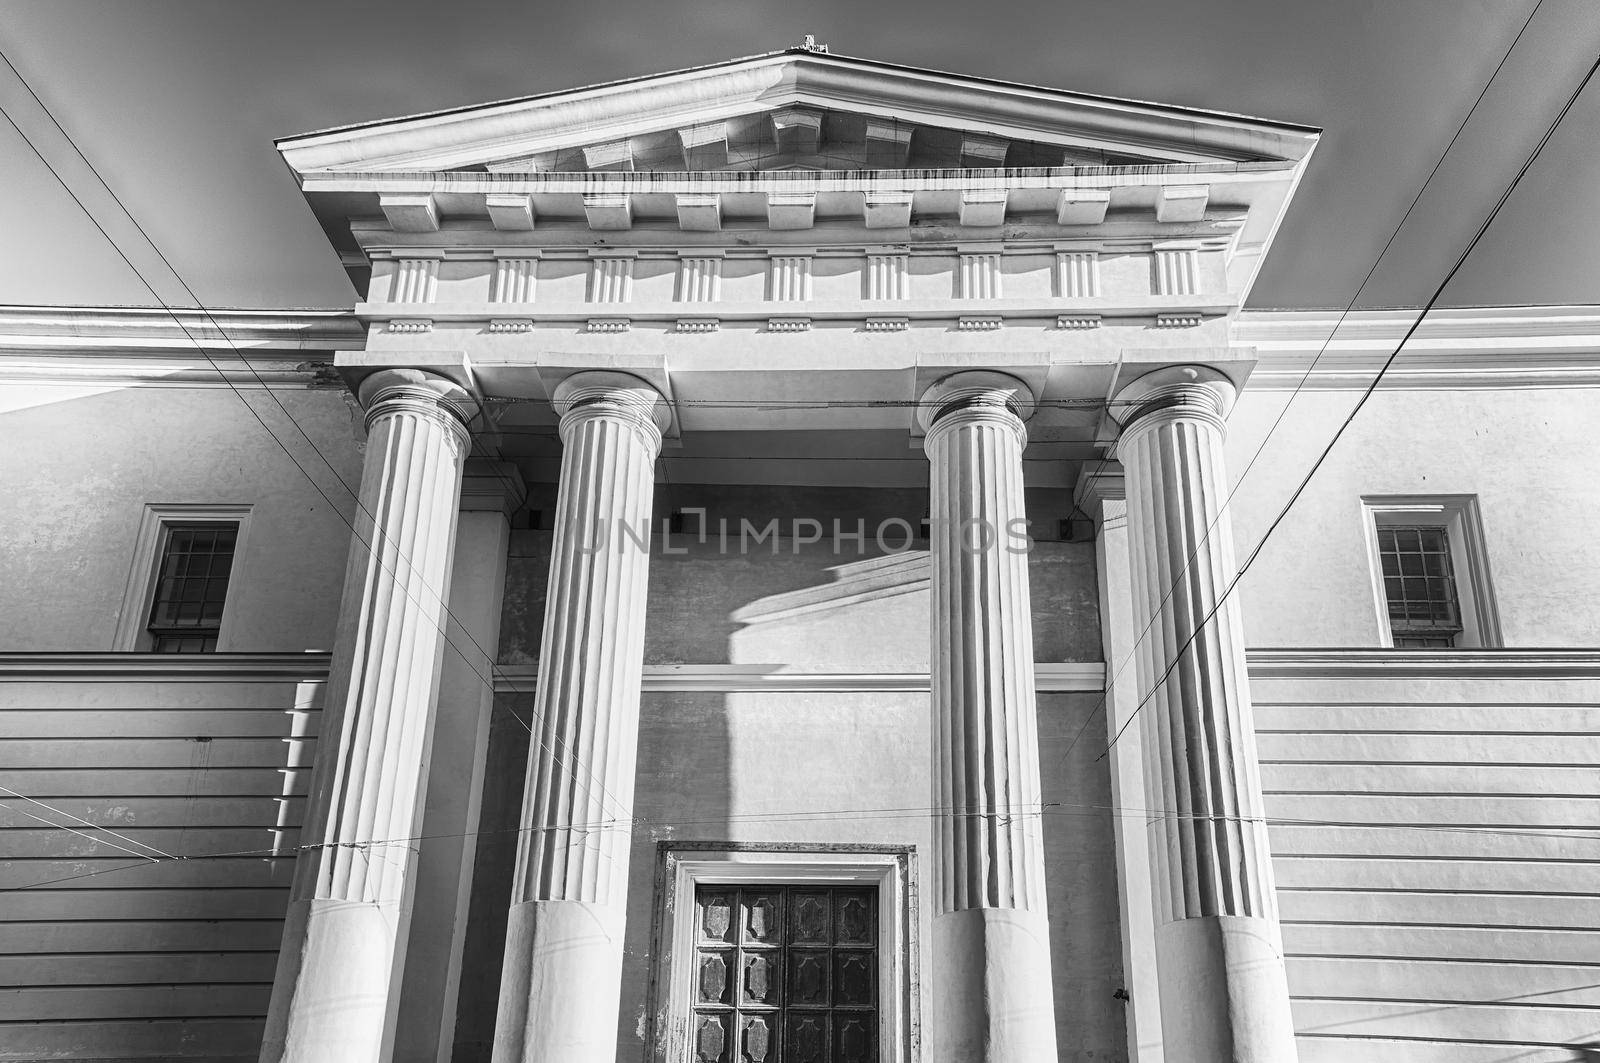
{"x":1224,"y":996}
{"x":336,"y":1010}
{"x":561,"y":984}
{"x":992,"y":998}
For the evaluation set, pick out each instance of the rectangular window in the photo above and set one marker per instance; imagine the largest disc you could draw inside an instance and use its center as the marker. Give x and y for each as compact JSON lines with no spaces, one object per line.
{"x":191,"y":587}
{"x":1432,"y":573}
{"x":186,"y":565}
{"x":786,"y":973}
{"x":1419,"y":585}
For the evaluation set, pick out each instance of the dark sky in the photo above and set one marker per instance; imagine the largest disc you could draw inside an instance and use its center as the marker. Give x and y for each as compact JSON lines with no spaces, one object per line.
{"x":178,"y":104}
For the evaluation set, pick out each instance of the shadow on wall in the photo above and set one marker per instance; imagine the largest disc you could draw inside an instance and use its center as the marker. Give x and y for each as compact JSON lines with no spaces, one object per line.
{"x":748,"y":765}
{"x":494,"y":863}
{"x":722,"y":758}
{"x":870,"y":617}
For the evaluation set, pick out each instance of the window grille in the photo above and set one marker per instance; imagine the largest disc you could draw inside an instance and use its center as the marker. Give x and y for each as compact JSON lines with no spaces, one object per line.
{"x":785,"y":974}
{"x":191,"y":587}
{"x":1419,"y":584}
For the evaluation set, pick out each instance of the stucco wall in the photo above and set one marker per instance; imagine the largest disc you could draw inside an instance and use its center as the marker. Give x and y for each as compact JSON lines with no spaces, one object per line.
{"x":1529,"y":456}
{"x":828,"y":766}
{"x":822,"y":606}
{"x":80,"y":465}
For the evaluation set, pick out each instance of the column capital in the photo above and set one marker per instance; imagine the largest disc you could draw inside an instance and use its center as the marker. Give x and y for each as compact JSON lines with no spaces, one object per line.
{"x":1102,"y":494}
{"x":975,"y":395}
{"x":1105,"y":484}
{"x":1194,"y":392}
{"x":489,"y":486}
{"x":620,"y":396}
{"x":390,"y":391}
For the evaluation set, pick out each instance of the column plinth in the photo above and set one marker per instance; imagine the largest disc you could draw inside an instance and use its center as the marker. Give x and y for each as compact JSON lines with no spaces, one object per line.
{"x":337,"y":984}
{"x":561,"y":981}
{"x":991,"y":946}
{"x":1224,"y":998}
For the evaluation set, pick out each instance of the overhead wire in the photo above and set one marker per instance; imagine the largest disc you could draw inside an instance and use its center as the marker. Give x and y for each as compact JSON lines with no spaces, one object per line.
{"x":1243,"y":568}
{"x":443,"y":626}
{"x":1051,"y":808}
{"x":1177,"y":656}
{"x":1322,"y":349}
{"x":1300,"y":384}
{"x":267,"y":390}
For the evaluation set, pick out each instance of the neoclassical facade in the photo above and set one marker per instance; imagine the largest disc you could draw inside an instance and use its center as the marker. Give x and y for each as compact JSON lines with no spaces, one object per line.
{"x":756,"y":577}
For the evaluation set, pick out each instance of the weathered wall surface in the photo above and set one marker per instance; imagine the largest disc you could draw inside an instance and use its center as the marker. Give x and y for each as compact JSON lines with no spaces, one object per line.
{"x":104,"y":952}
{"x":1526,"y":454}
{"x":1457,"y":922}
{"x":831,"y":605}
{"x":79,"y":471}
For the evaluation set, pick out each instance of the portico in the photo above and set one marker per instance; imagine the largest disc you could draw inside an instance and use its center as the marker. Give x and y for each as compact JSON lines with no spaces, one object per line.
{"x":1027,"y":287}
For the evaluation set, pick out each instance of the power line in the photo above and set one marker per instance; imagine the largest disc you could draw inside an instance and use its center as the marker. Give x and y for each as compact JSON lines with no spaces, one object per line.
{"x":484,"y":679}
{"x":355,"y":495}
{"x":1305,"y":376}
{"x":1048,"y":808}
{"x":80,"y":819}
{"x":1177,"y":656}
{"x":442,"y":628}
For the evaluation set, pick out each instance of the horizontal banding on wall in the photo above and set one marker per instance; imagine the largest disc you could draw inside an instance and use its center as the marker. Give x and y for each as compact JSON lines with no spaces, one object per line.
{"x":1084,"y":677}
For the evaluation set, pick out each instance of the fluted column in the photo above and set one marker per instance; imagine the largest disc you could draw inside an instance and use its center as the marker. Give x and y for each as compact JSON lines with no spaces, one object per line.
{"x":334,"y":998}
{"x":1218,"y":949}
{"x":991,"y":945}
{"x":561,"y":982}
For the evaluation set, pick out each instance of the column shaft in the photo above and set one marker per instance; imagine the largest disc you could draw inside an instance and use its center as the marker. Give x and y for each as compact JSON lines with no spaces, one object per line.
{"x":1101,"y":496}
{"x":1223,"y":992}
{"x":561,"y":982}
{"x":490,"y":492}
{"x":337,"y":983}
{"x":993,"y":990}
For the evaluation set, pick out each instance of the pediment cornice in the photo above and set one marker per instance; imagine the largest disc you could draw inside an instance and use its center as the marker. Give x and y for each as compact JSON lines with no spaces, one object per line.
{"x":781,"y":84}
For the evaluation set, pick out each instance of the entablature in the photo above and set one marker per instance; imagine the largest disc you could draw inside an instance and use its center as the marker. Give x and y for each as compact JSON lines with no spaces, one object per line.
{"x":455,"y":278}
{"x":803,"y":140}
{"x":1475,"y":347}
{"x":114,"y":347}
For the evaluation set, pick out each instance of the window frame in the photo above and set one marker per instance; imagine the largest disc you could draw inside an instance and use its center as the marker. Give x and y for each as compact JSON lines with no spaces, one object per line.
{"x":686,"y":866}
{"x":1460,"y":518}
{"x":132,"y":633}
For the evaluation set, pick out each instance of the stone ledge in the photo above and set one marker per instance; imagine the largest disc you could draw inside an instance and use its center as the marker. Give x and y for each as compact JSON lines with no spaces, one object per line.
{"x":164,"y":667}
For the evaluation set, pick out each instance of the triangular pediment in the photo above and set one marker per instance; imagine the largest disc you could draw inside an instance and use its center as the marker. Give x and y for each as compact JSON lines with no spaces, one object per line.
{"x":800,"y":109}
{"x":812,"y":138}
